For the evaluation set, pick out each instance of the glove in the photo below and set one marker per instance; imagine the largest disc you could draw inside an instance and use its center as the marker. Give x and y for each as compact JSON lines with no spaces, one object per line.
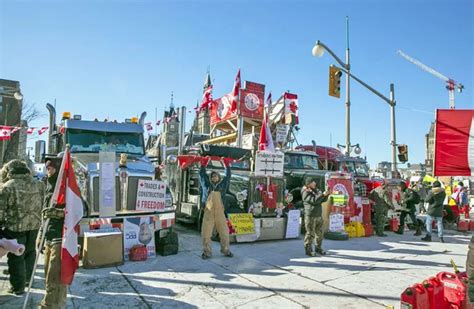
{"x":205,"y":161}
{"x":228,"y":161}
{"x":53,"y":213}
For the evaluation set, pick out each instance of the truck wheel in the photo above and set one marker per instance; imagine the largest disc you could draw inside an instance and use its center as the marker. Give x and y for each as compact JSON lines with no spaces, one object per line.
{"x":336,"y":235}
{"x":199,"y":219}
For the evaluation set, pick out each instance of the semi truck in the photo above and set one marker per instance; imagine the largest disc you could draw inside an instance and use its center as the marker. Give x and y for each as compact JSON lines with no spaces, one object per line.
{"x":86,"y":139}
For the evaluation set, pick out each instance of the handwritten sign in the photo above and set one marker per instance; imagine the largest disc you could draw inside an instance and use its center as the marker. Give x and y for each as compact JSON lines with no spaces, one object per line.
{"x":269,"y":164}
{"x":151,"y":195}
{"x":281,"y":133}
{"x":336,"y":222}
{"x":293,"y":224}
{"x":242,"y":223}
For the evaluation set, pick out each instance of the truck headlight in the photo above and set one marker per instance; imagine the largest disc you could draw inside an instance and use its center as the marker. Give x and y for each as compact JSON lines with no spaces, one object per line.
{"x":241,"y":196}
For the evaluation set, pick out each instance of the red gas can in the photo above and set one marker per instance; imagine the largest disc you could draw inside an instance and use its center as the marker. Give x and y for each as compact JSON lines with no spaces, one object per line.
{"x":369,"y":230}
{"x":463,"y":225}
{"x":394,"y":224}
{"x":454,"y":290}
{"x":471,"y":225}
{"x":416,"y":297}
{"x":435,"y":290}
{"x":366,"y":213}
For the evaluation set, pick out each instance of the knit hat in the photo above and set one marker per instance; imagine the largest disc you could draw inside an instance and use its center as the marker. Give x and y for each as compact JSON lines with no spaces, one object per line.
{"x":309,"y":180}
{"x":51,"y":163}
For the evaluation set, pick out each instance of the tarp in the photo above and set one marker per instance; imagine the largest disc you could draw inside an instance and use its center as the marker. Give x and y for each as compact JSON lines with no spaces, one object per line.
{"x":454,"y":142}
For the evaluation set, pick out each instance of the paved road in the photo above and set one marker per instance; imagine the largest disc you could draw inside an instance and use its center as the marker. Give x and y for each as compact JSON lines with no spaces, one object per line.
{"x":358,"y":273}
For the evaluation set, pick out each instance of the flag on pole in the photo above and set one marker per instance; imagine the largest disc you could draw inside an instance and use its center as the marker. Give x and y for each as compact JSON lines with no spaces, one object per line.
{"x":235,"y":93}
{"x":206,"y":98}
{"x":148,"y":126}
{"x":67,"y":193}
{"x":265,"y":142}
{"x":30,"y":130}
{"x":5,"y":133}
{"x":454,"y":142}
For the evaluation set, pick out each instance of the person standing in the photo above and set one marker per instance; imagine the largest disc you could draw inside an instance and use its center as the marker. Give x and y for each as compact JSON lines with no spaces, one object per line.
{"x":382,"y":203}
{"x":409,"y":199}
{"x":312,"y":200}
{"x":435,"y":200}
{"x":213,"y":193}
{"x":470,"y":270}
{"x":20,"y":210}
{"x":55,"y":292}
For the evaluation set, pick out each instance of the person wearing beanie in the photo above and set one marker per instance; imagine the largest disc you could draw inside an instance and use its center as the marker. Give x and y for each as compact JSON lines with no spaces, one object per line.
{"x":435,"y":200}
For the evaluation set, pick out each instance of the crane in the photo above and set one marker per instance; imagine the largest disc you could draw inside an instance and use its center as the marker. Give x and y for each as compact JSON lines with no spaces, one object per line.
{"x":451,"y":84}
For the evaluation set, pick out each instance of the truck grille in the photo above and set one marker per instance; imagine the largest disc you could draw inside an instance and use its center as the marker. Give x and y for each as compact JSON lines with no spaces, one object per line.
{"x":131,"y":196}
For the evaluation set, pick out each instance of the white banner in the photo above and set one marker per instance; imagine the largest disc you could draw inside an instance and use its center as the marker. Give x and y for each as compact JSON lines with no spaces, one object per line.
{"x":269,"y":164}
{"x":293,"y":224}
{"x":336,"y":222}
{"x":151,"y":195}
{"x":139,"y":231}
{"x":107,"y":184}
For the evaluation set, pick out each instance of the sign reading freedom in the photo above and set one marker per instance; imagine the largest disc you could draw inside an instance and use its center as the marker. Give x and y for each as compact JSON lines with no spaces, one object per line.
{"x":242,"y":223}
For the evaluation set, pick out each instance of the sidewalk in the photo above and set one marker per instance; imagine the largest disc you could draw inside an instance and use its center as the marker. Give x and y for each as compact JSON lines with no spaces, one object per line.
{"x":358,"y":273}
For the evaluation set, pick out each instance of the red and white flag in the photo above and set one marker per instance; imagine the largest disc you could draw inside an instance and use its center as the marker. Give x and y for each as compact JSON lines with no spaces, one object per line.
{"x":235,"y":93}
{"x":42,"y":130}
{"x":14,"y":130}
{"x":265,"y":142}
{"x":291,"y":105}
{"x":148,"y":126}
{"x":454,"y":142}
{"x":30,"y":130}
{"x":206,"y":98}
{"x":158,"y":122}
{"x":67,"y":193}
{"x":5,"y":133}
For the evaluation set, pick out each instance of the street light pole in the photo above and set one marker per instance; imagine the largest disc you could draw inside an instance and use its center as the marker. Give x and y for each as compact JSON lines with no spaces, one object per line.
{"x":348,"y":93}
{"x":392,"y":126}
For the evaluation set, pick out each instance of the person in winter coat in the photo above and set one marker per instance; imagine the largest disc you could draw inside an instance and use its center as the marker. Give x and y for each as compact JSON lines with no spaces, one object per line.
{"x":470,"y":270}
{"x":312,"y":199}
{"x":409,"y":201}
{"x":213,"y":190}
{"x":382,"y":203}
{"x":435,"y":200}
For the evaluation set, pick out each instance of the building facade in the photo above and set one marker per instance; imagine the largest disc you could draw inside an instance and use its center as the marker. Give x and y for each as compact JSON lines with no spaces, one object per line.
{"x":10,"y":115}
{"x":429,"y":145}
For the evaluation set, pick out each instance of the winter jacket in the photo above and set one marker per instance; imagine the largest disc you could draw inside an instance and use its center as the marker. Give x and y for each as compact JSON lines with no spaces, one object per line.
{"x":207,"y":186}
{"x":381,"y":198}
{"x":312,"y":202}
{"x":54,"y":231}
{"x":435,"y":200}
{"x":470,"y":270}
{"x":408,"y":198}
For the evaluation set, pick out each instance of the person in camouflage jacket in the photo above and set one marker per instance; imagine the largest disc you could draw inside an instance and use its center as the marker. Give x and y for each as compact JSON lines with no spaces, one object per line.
{"x":21,"y":199}
{"x":382,"y":203}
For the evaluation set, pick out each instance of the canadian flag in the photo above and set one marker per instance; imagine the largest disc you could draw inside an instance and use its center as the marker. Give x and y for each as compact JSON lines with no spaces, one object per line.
{"x":265,"y":142}
{"x":42,"y":130}
{"x":67,"y":193}
{"x":148,"y":126}
{"x":158,"y":122}
{"x":235,"y":93}
{"x":206,"y":98}
{"x":5,"y":133}
{"x":30,"y":130}
{"x":454,"y":142}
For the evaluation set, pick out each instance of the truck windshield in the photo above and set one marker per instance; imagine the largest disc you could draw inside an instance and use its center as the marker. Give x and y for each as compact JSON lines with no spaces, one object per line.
{"x":238,"y":165}
{"x":95,"y":141}
{"x":300,"y":161}
{"x":359,"y":169}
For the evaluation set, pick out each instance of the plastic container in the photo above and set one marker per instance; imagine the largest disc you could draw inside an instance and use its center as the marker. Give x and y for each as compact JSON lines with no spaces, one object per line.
{"x":366,"y":213}
{"x":359,"y":227}
{"x":393,"y":224}
{"x":463,"y":225}
{"x":350,"y":230}
{"x":368,"y":229}
{"x":471,"y":225}
{"x":454,"y":290}
{"x":138,"y":253}
{"x":415,"y":297}
{"x":435,"y":290}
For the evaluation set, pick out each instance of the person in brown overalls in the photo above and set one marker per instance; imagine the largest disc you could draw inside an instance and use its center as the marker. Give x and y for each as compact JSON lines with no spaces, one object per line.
{"x":213,"y":192}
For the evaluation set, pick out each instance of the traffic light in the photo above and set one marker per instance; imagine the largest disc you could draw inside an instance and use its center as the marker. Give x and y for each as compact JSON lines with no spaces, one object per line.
{"x":335,"y":81}
{"x":402,"y":153}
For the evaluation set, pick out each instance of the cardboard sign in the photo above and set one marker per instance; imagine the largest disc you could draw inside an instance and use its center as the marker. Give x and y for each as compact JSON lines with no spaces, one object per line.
{"x":281,"y":133}
{"x":293,"y":224}
{"x":151,"y":195}
{"x":106,"y":184}
{"x":336,"y":222}
{"x":269,"y":164}
{"x":242,"y":223}
{"x":139,"y":231}
{"x":250,"y":237}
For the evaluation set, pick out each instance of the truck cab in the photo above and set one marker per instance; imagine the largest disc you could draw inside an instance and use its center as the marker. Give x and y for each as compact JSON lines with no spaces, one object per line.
{"x":86,"y":139}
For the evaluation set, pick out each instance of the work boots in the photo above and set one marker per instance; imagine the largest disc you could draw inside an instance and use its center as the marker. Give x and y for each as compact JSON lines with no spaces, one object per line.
{"x":418,"y":231}
{"x":399,"y":231}
{"x":426,"y":238}
{"x":308,"y":251}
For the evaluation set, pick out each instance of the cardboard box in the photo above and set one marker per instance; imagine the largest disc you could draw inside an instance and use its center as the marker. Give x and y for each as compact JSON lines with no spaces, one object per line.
{"x":102,"y":248}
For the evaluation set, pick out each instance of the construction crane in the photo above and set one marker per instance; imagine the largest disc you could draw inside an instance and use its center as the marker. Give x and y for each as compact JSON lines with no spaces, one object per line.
{"x":451,"y":84}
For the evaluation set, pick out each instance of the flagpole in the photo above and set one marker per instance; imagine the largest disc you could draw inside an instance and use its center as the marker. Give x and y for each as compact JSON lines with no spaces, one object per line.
{"x":38,"y":251}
